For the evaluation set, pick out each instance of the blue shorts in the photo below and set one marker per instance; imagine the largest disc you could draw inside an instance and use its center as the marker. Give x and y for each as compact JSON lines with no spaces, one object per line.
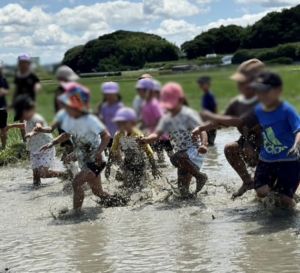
{"x":285,"y":173}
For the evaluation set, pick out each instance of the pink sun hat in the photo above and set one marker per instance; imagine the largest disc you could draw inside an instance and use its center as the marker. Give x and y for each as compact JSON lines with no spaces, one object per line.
{"x":171,"y":94}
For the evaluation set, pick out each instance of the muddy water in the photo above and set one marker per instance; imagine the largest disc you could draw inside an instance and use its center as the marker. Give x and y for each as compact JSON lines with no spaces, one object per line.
{"x":209,"y":234}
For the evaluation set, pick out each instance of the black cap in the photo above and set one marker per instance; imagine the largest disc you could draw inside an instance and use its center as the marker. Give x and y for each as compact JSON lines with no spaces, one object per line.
{"x":21,"y":104}
{"x":265,"y":81}
{"x":204,"y":79}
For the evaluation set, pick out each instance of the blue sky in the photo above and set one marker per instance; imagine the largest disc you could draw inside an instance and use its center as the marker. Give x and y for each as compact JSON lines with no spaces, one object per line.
{"x":47,"y":28}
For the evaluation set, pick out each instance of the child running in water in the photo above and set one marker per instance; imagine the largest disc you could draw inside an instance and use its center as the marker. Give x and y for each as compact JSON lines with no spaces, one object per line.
{"x":152,"y":112}
{"x":179,"y":123}
{"x":278,"y":160}
{"x":133,"y":165}
{"x":108,"y":109}
{"x":90,"y":139}
{"x":41,"y":162}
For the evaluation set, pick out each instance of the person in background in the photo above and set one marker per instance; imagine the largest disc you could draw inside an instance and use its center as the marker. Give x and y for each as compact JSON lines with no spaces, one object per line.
{"x":133,"y":166}
{"x":138,"y":101}
{"x":244,"y":152}
{"x":26,"y":82}
{"x":64,"y":74}
{"x":4,"y":91}
{"x":179,"y":123}
{"x":279,"y":157}
{"x":108,"y":109}
{"x":152,"y":112}
{"x":41,"y":162}
{"x":209,"y":103}
{"x":90,"y":139}
{"x":157,"y":89}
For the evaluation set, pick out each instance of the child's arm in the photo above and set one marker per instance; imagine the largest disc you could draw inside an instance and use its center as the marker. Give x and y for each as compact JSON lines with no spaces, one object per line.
{"x":60,"y":139}
{"x":295,"y":151}
{"x":149,"y":139}
{"x":46,"y":130}
{"x":113,"y":154}
{"x":204,"y":143}
{"x":105,"y":138}
{"x":13,"y":126}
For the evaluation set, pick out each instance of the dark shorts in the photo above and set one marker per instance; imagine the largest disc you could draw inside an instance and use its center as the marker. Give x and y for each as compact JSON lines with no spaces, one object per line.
{"x":3,"y":118}
{"x":161,"y":145}
{"x":66,"y":143}
{"x":97,"y":170}
{"x":285,"y":173}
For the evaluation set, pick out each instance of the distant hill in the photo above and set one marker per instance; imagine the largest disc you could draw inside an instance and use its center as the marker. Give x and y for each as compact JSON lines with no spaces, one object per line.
{"x":273,"y":29}
{"x":118,"y":51}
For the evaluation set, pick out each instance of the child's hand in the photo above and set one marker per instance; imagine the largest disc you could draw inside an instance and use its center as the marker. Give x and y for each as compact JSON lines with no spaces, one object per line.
{"x":98,"y":160}
{"x":38,"y":128}
{"x":202,"y":149}
{"x":295,"y":151}
{"x":156,"y":173}
{"x":196,"y":132}
{"x":29,"y":135}
{"x":47,"y":147}
{"x":141,"y":140}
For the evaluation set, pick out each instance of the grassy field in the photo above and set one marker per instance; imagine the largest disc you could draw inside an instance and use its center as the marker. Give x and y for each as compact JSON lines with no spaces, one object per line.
{"x":223,"y":88}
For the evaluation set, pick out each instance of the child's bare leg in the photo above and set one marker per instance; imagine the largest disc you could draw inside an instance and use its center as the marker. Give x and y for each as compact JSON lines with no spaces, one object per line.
{"x":233,"y":155}
{"x":80,"y":179}
{"x":263,"y":191}
{"x":287,"y":202}
{"x":184,"y":180}
{"x":36,"y":177}
{"x":184,"y":164}
{"x":3,"y":138}
{"x":97,"y":188}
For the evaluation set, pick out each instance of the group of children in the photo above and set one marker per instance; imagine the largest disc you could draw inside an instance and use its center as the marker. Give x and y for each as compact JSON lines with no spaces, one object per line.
{"x":269,"y":128}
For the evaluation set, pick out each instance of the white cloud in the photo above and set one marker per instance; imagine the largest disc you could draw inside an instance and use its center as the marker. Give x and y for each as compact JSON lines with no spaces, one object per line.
{"x":179,"y":31}
{"x":270,"y":3}
{"x":167,"y":8}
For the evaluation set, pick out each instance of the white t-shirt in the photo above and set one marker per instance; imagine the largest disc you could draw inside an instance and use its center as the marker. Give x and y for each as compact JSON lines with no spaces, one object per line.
{"x":180,"y":129}
{"x":85,"y":136}
{"x":35,"y":143}
{"x":61,"y":115}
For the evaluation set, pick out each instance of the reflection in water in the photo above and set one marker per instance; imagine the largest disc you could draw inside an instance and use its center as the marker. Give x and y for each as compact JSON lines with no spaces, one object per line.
{"x":210,"y":234}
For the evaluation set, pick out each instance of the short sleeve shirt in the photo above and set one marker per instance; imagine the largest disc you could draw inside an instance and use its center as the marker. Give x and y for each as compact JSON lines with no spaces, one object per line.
{"x":107,"y":113}
{"x":60,"y":116}
{"x":151,"y":113}
{"x":26,"y":84}
{"x":180,"y":128}
{"x":209,"y":102}
{"x":240,"y":107}
{"x":85,"y":133}
{"x":35,"y":143}
{"x":279,"y":129}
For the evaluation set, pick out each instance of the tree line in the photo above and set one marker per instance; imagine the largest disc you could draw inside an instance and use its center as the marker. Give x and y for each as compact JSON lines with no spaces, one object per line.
{"x":126,"y":50}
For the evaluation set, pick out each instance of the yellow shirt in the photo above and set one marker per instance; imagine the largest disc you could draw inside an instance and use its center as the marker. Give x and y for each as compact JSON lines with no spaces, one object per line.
{"x":130,"y":147}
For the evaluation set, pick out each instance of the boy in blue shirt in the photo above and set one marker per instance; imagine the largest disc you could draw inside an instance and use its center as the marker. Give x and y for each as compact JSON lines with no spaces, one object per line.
{"x":280,"y":130}
{"x":208,"y":103}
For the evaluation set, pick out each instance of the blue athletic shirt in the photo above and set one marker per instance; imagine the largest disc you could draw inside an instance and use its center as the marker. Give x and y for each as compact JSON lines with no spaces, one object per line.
{"x":209,"y":102}
{"x":279,"y":130}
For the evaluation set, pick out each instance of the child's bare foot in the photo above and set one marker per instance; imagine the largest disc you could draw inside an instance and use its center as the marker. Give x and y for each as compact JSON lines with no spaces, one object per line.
{"x":74,"y":213}
{"x":201,"y":182}
{"x":243,"y":190}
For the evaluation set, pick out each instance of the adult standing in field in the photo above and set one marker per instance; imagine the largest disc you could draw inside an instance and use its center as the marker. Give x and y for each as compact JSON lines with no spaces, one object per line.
{"x":26,"y":82}
{"x":64,"y":74}
{"x":243,"y":152}
{"x":138,"y":101}
{"x":4,"y":91}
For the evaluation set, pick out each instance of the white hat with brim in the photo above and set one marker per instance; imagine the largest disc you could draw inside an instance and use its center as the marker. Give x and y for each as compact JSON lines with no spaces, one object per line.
{"x":65,"y":72}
